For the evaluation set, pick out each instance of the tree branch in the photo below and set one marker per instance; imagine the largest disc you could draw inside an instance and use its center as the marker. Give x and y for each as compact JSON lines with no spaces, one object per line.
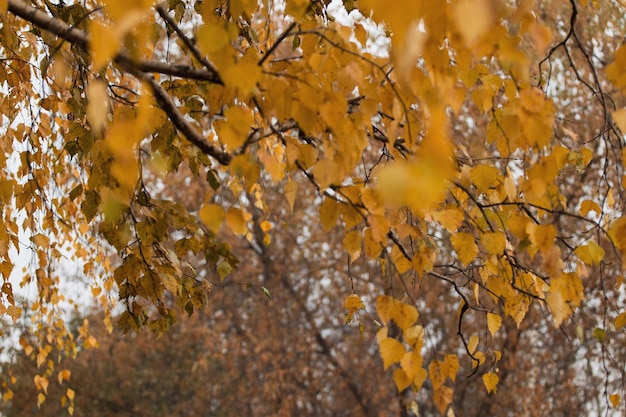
{"x":80,"y":38}
{"x":137,"y":68}
{"x":178,"y":119}
{"x":188,"y":43}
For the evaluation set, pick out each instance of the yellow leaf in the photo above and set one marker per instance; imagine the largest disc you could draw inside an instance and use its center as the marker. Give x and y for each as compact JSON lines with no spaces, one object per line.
{"x":296,"y":8}
{"x":236,"y":220}
{"x":618,"y":235}
{"x":329,"y":213}
{"x":484,"y":176}
{"x":566,"y":292}
{"x":70,"y":394}
{"x":591,"y":253}
{"x":442,"y":398}
{"x":400,"y":261}
{"x":233,"y":132}
{"x":438,"y":372}
{"x":420,"y":185}
{"x":391,"y":351}
{"x":291,"y":190}
{"x":403,"y":315}
{"x":620,"y":321}
{"x":453,"y":366}
{"x":414,"y":336}
{"x":266,"y":226}
{"x":105,"y":42}
{"x":41,"y":398}
{"x":493,"y":242}
{"x":380,"y":227}
{"x":238,"y":7}
{"x":212,"y":37}
{"x":494,"y":321}
{"x":353,"y":303}
{"x":273,"y":165}
{"x":615,"y":399}
{"x":615,"y":71}
{"x":326,"y":172}
{"x":419,"y":379}
{"x":465,"y":247}
{"x":98,"y":104}
{"x":411,"y":364}
{"x":509,"y":186}
{"x":246,"y":167}
{"x":212,"y":215}
{"x":14,"y":312}
{"x":536,"y":117}
{"x":41,"y":240}
{"x":401,"y":379}
{"x":473,"y":343}
{"x":451,"y":219}
{"x":542,"y":236}
{"x":620,"y":118}
{"x":588,"y":205}
{"x":473,"y":18}
{"x":372,"y":247}
{"x":490,"y":380}
{"x":352,"y":244}
{"x":360,"y":33}
{"x":41,"y":382}
{"x":64,"y":375}
{"x":90,"y":343}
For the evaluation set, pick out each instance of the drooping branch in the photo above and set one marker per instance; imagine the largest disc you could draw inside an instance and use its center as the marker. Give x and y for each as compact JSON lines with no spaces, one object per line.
{"x":178,"y":119}
{"x":138,"y":68}
{"x":80,"y":38}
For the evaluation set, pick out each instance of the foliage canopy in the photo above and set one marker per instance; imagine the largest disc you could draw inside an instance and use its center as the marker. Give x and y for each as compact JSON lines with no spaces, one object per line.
{"x":480,"y":148}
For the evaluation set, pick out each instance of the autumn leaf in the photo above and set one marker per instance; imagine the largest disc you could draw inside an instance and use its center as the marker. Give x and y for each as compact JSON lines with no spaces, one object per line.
{"x":444,"y":151}
{"x":352,"y":304}
{"x":566,"y":292}
{"x":465,"y":246}
{"x":391,"y":351}
{"x":401,"y":379}
{"x":451,"y":218}
{"x":494,"y":321}
{"x":490,"y":380}
{"x":352,"y":244}
{"x":411,"y":364}
{"x":213,"y":216}
{"x":484,"y":176}
{"x":542,"y":236}
{"x":493,"y":242}
{"x":442,"y":397}
{"x":591,"y":253}
{"x":236,"y":220}
{"x":403,"y":315}
{"x":438,"y":372}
